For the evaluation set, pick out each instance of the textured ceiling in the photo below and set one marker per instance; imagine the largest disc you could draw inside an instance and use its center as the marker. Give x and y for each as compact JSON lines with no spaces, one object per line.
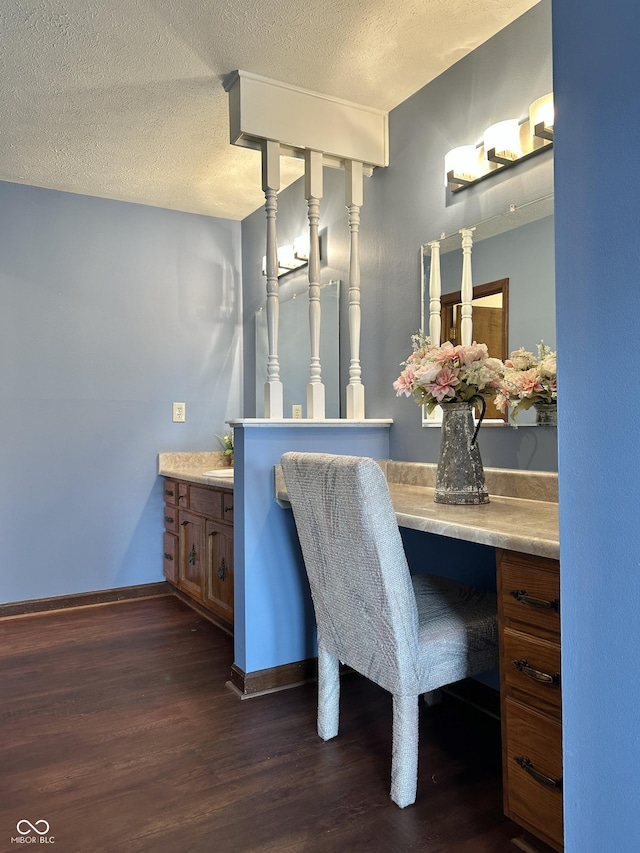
{"x":124,"y":99}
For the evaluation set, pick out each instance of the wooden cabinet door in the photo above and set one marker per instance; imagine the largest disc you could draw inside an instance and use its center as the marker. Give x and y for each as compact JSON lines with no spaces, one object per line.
{"x":191,"y":554}
{"x":218,"y":580}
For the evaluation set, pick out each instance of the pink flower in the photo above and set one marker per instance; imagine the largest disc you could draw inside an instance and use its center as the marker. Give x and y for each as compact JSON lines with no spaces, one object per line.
{"x":443,"y":385}
{"x":426,"y":373}
{"x":528,"y":382}
{"x":404,"y":382}
{"x":446,"y":352}
{"x":473,"y":352}
{"x":501,"y":403}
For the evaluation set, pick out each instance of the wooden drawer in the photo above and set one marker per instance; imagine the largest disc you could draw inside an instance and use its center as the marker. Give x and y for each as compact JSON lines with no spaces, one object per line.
{"x":183,"y":495}
{"x":532,"y":671}
{"x":533,"y":793}
{"x":170,"y":518}
{"x":529,"y":593}
{"x":170,"y":557}
{"x":170,"y":492}
{"x":205,"y":501}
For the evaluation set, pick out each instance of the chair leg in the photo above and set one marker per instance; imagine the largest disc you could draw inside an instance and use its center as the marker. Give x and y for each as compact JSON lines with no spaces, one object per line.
{"x":328,"y":693}
{"x":404,"y":760}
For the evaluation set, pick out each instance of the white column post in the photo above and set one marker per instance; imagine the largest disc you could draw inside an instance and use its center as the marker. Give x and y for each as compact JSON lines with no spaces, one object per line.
{"x":435,"y":307}
{"x":313,"y":194}
{"x":466,"y":289}
{"x":354,"y":196}
{"x":273,"y":391}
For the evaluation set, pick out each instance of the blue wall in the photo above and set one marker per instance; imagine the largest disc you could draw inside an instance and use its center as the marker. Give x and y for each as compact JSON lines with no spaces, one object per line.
{"x":596,"y":70}
{"x":273,"y":617}
{"x":405,"y":205}
{"x":110,"y":311}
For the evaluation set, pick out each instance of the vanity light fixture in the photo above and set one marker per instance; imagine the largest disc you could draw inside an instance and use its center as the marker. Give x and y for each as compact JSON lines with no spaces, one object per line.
{"x":290,"y":258}
{"x":541,"y":117}
{"x":464,"y":163}
{"x":504,"y":144}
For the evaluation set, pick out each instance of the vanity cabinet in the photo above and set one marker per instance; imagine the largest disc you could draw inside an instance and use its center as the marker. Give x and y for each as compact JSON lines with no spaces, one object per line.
{"x":198,"y":546}
{"x":531,"y":696}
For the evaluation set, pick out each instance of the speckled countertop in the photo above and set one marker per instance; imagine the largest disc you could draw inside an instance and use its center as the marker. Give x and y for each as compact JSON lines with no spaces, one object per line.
{"x":192,"y":467}
{"x":522,"y":514}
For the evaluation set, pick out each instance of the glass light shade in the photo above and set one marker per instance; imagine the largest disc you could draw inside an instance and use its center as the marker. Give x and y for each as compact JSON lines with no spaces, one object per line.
{"x":463,"y":162}
{"x":301,"y":247}
{"x":505,"y":138}
{"x":541,"y":112}
{"x":286,"y":257}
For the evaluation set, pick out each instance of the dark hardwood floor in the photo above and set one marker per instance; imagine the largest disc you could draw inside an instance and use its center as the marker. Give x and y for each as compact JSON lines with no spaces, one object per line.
{"x":117,"y":729}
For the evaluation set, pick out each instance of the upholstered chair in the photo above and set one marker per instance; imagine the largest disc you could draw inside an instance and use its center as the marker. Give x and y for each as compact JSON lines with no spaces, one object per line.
{"x":408,"y":634}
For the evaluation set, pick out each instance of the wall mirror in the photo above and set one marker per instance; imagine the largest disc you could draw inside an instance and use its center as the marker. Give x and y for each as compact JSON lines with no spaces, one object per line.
{"x":293,"y":348}
{"x":516,"y":246}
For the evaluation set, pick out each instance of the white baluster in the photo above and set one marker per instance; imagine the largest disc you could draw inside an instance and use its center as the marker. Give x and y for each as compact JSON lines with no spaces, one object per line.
{"x":466,"y":289}
{"x":435,"y":319}
{"x":354,"y":196}
{"x":313,"y":194}
{"x":273,"y":391}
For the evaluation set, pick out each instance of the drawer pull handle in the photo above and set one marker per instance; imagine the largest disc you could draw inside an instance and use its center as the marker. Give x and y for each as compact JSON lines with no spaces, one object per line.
{"x":222,"y":570}
{"x":540,"y":603}
{"x":168,"y":557}
{"x":168,"y":520}
{"x":168,"y":493}
{"x":536,"y":674}
{"x":191,"y":559}
{"x":528,"y":766}
{"x":228,"y":509}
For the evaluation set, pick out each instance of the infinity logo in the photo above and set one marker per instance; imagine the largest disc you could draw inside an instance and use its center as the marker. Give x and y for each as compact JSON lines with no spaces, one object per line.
{"x":32,"y":827}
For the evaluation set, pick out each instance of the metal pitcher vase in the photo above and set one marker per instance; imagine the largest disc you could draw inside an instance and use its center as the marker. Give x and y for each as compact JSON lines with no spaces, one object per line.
{"x":460,"y":475}
{"x":546,"y":414}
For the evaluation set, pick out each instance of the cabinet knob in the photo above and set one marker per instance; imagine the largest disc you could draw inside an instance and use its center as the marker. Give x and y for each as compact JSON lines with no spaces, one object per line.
{"x":168,"y":520}
{"x":168,"y":493}
{"x":168,"y":557}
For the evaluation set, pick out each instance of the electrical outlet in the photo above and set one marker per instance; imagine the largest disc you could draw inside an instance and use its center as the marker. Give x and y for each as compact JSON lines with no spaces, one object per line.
{"x":296,"y":411}
{"x":179,"y":413}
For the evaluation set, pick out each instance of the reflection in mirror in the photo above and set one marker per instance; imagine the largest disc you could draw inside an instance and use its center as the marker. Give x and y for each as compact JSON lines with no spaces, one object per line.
{"x":517,"y":245}
{"x":490,"y":304}
{"x":294,"y":353}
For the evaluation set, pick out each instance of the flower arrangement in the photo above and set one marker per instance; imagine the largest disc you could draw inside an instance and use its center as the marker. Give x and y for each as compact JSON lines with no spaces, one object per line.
{"x":528,"y":380}
{"x":448,"y":374}
{"x":226,"y":442}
